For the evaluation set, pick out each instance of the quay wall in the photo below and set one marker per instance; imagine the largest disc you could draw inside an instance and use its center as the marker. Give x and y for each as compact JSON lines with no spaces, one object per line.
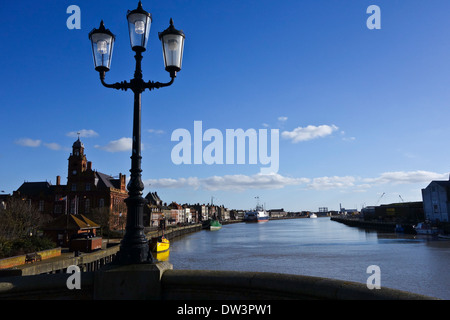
{"x":356,"y":222}
{"x":91,"y":261}
{"x":172,"y":233}
{"x":86,"y":262}
{"x":20,"y":260}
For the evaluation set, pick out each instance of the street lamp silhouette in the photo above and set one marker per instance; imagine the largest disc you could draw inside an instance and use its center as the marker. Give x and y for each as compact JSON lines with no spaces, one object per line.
{"x":134,"y":247}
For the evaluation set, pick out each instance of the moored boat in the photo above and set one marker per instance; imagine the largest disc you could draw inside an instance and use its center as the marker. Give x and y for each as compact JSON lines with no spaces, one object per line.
{"x":162,"y":245}
{"x":426,"y":228}
{"x":214,"y":225}
{"x":257,"y":215}
{"x":162,"y":256}
{"x":313,"y":215}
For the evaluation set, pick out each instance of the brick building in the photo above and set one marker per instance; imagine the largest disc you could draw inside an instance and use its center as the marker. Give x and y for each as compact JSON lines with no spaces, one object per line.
{"x":86,"y":190}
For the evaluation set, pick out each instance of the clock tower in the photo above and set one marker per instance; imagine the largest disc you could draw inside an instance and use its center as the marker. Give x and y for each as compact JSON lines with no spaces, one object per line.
{"x":77,"y":160}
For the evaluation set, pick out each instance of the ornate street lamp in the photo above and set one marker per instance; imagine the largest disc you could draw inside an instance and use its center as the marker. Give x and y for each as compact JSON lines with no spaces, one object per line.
{"x":139,"y":22}
{"x":102,"y":46}
{"x":173,"y":44}
{"x":134,"y":247}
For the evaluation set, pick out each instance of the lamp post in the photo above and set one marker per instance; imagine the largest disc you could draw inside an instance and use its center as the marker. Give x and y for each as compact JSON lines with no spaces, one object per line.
{"x":134,"y":247}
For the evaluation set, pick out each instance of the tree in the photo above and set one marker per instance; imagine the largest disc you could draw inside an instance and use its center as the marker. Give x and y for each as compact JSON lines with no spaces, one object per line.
{"x":18,"y":219}
{"x":102,"y":216}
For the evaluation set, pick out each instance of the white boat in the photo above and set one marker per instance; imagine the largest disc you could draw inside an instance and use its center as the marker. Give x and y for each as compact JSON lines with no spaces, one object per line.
{"x":425,"y":228}
{"x":313,"y":216}
{"x":257,"y":215}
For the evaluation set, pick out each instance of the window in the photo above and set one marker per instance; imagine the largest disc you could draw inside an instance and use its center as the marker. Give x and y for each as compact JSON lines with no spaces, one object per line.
{"x":435,"y":208}
{"x":87,"y":205}
{"x":74,"y":206}
{"x":101,"y":203}
{"x":88,"y":186}
{"x":74,"y":187}
{"x":41,"y":205}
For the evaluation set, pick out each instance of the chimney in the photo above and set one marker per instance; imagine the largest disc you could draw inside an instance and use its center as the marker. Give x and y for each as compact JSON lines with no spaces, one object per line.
{"x":89,"y":165}
{"x":58,"y":180}
{"x":122,"y":178}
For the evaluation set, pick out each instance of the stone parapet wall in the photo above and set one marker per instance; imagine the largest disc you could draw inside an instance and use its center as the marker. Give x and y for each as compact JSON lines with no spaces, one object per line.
{"x":172,"y":284}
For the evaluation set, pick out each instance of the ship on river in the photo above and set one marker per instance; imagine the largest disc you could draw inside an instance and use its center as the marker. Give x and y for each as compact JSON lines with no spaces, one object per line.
{"x":257,"y":215}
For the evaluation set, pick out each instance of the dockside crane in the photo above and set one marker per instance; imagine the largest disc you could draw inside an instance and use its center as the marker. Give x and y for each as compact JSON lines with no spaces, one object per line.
{"x":380,"y":198}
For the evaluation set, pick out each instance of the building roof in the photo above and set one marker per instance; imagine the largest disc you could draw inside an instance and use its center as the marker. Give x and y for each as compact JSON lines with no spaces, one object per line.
{"x":71,"y":222}
{"x":153,"y":198}
{"x":35,"y":188}
{"x":175,"y":205}
{"x":443,"y":183}
{"x":78,"y":144}
{"x":107,"y":181}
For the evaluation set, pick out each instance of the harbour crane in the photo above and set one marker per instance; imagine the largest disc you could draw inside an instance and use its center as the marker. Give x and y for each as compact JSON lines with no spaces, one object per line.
{"x":380,"y":198}
{"x":401,"y":198}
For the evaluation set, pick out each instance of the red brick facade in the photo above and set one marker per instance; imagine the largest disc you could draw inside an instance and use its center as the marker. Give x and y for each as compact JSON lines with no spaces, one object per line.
{"x":86,"y":190}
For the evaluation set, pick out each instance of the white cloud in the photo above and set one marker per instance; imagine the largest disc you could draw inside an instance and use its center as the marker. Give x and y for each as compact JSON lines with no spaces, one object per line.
{"x":401,"y":177}
{"x":27,"y":142}
{"x":53,"y":146}
{"x":229,"y":182}
{"x":123,"y":144}
{"x":282,"y":119}
{"x":325,"y":183}
{"x":84,"y":133}
{"x":170,"y":183}
{"x":308,"y":133}
{"x":242,"y":182}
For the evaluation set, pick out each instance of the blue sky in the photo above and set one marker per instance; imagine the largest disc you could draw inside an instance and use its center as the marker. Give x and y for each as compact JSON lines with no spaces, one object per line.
{"x":360,"y":112}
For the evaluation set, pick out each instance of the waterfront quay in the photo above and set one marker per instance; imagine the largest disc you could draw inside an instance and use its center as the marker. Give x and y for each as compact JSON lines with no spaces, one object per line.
{"x":357,"y":222}
{"x":173,"y":232}
{"x":91,"y":261}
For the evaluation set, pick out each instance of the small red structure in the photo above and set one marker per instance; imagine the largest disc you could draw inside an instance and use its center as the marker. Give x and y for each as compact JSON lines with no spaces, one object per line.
{"x":74,"y":231}
{"x":87,"y":244}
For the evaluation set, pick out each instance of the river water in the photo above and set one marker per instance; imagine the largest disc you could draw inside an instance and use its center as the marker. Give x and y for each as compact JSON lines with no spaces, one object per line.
{"x":323,"y":248}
